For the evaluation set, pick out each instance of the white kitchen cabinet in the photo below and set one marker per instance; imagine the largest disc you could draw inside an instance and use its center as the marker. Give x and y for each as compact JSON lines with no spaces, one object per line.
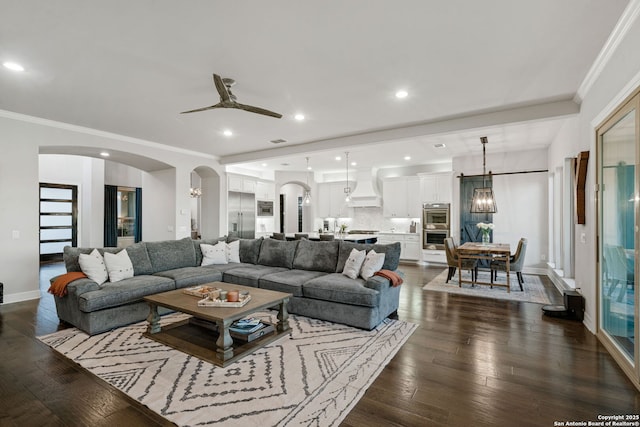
{"x":331,"y":201}
{"x":400,"y":199}
{"x":411,"y":247}
{"x":265,"y":190}
{"x":434,"y":256}
{"x":409,"y":244}
{"x":241,"y":183}
{"x":436,"y":187}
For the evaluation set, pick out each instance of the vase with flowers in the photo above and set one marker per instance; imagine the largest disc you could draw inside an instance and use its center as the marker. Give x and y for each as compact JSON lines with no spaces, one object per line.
{"x":485,"y":229}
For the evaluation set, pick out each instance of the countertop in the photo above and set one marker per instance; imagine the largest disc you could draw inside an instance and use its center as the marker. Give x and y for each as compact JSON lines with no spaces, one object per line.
{"x":338,"y":236}
{"x":398,"y":232}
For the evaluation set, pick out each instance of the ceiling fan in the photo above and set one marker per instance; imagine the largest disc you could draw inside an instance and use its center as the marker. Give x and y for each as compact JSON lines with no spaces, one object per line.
{"x":228,"y":99}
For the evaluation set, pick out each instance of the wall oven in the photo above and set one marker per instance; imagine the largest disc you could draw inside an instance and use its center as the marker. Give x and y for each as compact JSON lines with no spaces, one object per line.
{"x":435,"y":215}
{"x":434,"y":239}
{"x":265,"y":208}
{"x":435,"y":225}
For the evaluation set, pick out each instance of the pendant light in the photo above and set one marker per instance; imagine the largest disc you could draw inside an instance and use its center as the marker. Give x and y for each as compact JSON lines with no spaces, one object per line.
{"x":484,"y":201}
{"x":307,"y":194}
{"x":347,"y":189}
{"x":194,"y":192}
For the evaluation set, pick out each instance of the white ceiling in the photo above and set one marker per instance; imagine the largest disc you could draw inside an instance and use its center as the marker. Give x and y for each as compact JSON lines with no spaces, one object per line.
{"x":131,"y":67}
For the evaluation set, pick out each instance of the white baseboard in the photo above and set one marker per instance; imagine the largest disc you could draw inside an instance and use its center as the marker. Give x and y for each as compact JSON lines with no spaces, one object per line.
{"x":22,"y":296}
{"x":561,"y":283}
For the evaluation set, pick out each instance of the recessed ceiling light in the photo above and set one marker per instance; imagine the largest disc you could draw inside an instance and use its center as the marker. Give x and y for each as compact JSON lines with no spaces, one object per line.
{"x":309,"y":168}
{"x":13,"y":66}
{"x":227,"y":132}
{"x":354,"y":164}
{"x":338,"y":158}
{"x":441,"y":145}
{"x":104,"y":154}
{"x":401,"y":94}
{"x":407,"y":157}
{"x":299,"y":117}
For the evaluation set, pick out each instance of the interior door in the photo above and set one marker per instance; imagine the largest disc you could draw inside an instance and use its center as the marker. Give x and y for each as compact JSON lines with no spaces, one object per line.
{"x":617,"y":219}
{"x":469,"y":232}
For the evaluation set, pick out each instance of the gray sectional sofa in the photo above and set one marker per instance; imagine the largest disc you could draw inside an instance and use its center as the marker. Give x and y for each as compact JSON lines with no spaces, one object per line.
{"x":310,"y":271}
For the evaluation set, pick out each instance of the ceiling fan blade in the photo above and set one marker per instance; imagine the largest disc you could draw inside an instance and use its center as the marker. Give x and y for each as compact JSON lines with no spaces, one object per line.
{"x":257,"y":110}
{"x":221,"y":88}
{"x":202,"y":109}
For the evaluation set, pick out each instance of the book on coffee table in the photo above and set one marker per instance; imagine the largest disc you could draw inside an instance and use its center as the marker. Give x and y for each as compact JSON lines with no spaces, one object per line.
{"x":264,"y":328}
{"x":246,"y":326}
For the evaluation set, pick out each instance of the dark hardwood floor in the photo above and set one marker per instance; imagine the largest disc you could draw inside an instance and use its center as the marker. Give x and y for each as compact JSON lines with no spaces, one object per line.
{"x":471,"y":362}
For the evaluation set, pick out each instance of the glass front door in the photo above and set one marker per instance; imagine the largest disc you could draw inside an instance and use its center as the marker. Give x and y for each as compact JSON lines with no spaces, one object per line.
{"x":618,"y":202}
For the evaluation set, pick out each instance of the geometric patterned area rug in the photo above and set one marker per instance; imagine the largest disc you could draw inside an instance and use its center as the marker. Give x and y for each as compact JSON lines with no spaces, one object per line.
{"x":534,"y":290}
{"x":313,"y":377}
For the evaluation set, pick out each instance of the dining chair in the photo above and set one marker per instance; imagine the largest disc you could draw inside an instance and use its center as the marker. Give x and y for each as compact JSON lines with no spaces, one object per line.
{"x":278,"y":236}
{"x":618,"y":270}
{"x":301,"y":236}
{"x":516,"y":262}
{"x":452,"y":261}
{"x":327,"y":237}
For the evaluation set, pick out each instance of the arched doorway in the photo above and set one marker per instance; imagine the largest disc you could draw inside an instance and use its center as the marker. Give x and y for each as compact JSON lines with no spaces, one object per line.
{"x":206,"y":206}
{"x":295,"y":216}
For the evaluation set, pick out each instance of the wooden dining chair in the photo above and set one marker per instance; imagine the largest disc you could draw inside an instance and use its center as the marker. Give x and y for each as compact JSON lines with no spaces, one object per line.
{"x":516,"y":263}
{"x":278,"y":236}
{"x":452,"y":261}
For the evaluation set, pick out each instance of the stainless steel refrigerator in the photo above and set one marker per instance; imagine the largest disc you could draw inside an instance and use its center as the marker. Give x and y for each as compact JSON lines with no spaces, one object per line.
{"x":242,"y":214}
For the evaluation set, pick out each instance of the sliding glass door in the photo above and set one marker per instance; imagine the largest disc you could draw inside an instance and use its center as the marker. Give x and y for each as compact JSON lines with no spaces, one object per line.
{"x":618,"y":199}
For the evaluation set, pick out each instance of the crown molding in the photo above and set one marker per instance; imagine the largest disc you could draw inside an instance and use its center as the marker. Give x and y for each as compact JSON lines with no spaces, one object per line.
{"x":616,"y":37}
{"x":102,"y":134}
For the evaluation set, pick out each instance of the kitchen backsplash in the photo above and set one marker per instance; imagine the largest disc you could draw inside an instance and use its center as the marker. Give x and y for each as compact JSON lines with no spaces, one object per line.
{"x":373,"y":219}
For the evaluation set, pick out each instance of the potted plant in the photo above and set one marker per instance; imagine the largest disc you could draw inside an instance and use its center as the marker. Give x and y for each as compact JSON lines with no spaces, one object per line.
{"x":485,"y":229}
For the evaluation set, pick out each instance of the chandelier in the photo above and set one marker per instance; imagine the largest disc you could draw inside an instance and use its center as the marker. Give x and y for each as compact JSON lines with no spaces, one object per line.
{"x":307,"y":193}
{"x":347,"y":189}
{"x":484,"y":201}
{"x":194,"y":192}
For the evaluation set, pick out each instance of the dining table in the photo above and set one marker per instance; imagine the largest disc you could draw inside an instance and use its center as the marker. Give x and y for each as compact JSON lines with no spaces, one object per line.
{"x":480,"y":251}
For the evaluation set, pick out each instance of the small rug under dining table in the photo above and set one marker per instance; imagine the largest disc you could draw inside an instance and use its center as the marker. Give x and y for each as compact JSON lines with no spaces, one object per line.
{"x":534,"y":289}
{"x":314,"y":377}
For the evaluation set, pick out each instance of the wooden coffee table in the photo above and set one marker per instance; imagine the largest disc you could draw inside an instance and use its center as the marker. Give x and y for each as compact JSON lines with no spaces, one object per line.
{"x":206,"y":334}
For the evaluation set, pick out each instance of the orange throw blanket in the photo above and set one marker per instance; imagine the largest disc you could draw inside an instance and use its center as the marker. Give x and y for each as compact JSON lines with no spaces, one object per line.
{"x":393,"y":277}
{"x":59,"y":286}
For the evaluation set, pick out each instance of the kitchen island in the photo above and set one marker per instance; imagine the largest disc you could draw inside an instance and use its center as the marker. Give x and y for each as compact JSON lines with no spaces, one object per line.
{"x":356,"y":238}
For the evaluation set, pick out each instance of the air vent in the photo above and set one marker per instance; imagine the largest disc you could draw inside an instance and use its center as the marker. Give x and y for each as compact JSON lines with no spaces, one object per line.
{"x":439,"y":145}
{"x":278,"y":141}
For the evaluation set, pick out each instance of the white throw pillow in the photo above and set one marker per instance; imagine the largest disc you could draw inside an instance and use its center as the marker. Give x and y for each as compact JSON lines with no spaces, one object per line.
{"x":354,"y":263}
{"x":233,"y":251}
{"x":214,"y":254}
{"x":373,"y":262}
{"x":93,"y":266}
{"x":119,"y":265}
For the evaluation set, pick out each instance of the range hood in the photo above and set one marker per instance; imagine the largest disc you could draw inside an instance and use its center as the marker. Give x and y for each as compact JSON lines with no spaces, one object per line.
{"x":365,"y":194}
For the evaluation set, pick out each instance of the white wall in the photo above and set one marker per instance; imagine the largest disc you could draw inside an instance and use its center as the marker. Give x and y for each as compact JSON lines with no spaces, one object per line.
{"x":19,"y":258}
{"x":158,"y":189}
{"x":522,"y":200}
{"x":619,"y":77}
{"x":120,"y":175}
{"x":164,"y":200}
